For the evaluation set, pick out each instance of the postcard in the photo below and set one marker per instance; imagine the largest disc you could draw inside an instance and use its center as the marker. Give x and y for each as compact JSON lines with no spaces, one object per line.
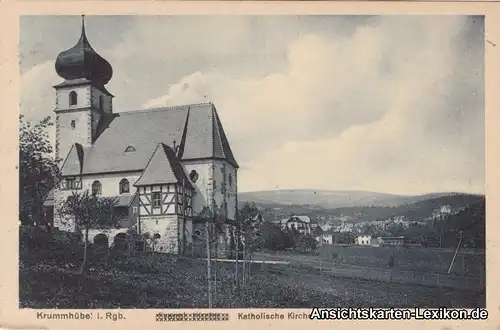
{"x":249,"y":164}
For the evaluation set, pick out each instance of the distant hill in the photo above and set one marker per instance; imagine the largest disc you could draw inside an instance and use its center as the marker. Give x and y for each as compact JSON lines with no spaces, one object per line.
{"x":354,"y":206}
{"x":332,"y":199}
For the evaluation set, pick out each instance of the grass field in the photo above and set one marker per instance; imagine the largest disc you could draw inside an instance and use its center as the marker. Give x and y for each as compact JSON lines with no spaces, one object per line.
{"x":424,"y":260}
{"x":51,"y":280}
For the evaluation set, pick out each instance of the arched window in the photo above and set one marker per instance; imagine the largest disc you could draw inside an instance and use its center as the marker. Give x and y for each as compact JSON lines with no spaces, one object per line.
{"x":73,"y":98}
{"x":96,"y":188}
{"x":101,"y":102}
{"x":230,"y":181}
{"x":124,"y":186}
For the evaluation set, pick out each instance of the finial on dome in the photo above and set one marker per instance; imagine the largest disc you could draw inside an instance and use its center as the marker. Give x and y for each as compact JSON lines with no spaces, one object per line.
{"x":82,"y":61}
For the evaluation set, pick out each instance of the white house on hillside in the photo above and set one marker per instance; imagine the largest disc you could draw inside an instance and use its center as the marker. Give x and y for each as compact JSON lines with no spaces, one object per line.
{"x":364,"y":240}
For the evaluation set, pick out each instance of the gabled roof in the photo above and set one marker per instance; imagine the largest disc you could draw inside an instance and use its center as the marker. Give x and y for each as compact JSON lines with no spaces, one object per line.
{"x":196,"y":130}
{"x":73,"y":164}
{"x":163,"y":167}
{"x":303,"y":218}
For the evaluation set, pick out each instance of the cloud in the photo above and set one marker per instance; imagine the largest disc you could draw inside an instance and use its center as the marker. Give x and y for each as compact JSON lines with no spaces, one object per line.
{"x":350,"y":112}
{"x":34,"y":82}
{"x":395,"y":104}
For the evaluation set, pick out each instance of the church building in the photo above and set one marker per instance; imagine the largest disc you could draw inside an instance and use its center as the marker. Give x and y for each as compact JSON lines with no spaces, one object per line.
{"x":164,"y":165}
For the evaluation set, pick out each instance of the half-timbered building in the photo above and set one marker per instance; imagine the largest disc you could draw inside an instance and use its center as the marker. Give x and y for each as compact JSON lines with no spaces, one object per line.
{"x":162,"y":165}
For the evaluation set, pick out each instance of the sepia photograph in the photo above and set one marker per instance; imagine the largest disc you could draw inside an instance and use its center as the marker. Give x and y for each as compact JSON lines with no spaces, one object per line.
{"x":251,"y":161}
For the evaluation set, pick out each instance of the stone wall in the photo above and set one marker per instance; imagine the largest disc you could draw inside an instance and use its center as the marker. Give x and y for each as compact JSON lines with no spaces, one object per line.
{"x":167,"y":227}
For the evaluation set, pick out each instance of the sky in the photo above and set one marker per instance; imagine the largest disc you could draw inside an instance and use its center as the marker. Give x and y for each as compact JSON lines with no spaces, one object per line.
{"x":379,"y":103}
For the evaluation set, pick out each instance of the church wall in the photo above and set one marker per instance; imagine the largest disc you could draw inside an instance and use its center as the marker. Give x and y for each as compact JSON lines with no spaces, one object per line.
{"x":66,"y":135}
{"x":83,"y":97}
{"x":86,"y":120}
{"x":200,"y":243}
{"x":168,"y":228}
{"x":107,"y":100}
{"x":225,"y":187}
{"x":203,"y":186}
{"x":111,"y":183}
{"x":110,"y":188}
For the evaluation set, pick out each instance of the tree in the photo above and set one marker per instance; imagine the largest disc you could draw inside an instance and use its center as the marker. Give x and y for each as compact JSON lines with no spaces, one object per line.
{"x":89,"y":211}
{"x":214,"y":220}
{"x":250,"y":222}
{"x":273,"y":238}
{"x":38,"y":170}
{"x":306,"y":243}
{"x":294,"y":235}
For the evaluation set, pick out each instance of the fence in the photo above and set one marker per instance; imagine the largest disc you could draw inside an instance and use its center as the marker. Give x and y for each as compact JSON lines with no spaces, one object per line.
{"x":380,"y":274}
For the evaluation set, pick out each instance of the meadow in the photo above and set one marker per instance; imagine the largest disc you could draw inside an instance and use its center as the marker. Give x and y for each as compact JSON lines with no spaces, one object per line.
{"x":50,"y":278}
{"x":468,"y":263}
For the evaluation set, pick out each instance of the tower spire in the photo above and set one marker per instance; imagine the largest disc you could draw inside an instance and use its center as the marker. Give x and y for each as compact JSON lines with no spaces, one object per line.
{"x":83,"y":25}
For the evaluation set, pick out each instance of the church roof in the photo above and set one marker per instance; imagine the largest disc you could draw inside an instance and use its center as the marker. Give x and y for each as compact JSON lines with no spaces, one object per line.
{"x":196,"y":130}
{"x":163,"y":167}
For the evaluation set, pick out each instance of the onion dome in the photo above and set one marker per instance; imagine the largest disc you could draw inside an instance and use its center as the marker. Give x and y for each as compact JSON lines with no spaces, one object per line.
{"x":82,"y":61}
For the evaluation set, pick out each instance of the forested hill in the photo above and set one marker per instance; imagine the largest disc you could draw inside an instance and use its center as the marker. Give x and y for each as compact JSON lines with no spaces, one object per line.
{"x":413,"y":210}
{"x":330,"y":199}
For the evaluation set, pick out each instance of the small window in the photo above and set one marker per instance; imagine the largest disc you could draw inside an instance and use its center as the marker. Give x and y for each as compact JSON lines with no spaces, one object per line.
{"x":96,"y":188}
{"x":73,"y":98}
{"x":70,"y":183}
{"x":101,"y":102}
{"x":73,"y":124}
{"x":129,"y":149}
{"x":124,"y":186}
{"x":156,"y":199}
{"x":134,"y":210}
{"x":230,"y":181}
{"x":193,"y":176}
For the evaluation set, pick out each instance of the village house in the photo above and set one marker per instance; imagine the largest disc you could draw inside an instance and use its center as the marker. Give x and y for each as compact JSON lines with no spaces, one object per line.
{"x":301,"y":223}
{"x":163,"y":165}
{"x":329,"y":237}
{"x":391,"y":241}
{"x":364,"y":240}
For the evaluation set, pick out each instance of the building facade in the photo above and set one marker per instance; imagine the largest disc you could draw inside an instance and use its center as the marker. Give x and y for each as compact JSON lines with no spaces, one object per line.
{"x":364,"y":240}
{"x":301,"y":223}
{"x":163,"y":166}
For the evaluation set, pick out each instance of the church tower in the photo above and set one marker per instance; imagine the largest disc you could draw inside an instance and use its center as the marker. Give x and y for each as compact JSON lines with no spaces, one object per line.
{"x":81,"y":99}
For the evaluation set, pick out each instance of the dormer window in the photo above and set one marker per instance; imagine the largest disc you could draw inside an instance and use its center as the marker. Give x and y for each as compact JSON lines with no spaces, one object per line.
{"x":193,"y":176}
{"x":129,"y":149}
{"x":73,"y":98}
